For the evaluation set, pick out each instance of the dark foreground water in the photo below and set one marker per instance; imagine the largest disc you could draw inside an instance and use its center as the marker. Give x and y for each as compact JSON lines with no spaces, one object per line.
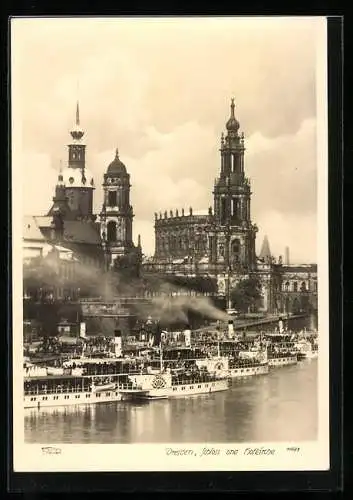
{"x":281,"y":406}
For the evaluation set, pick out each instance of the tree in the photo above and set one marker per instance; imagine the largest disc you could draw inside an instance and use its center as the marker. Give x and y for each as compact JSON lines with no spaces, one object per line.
{"x":247,"y":293}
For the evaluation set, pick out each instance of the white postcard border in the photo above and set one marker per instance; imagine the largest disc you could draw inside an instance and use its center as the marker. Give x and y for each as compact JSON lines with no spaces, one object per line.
{"x":146,"y":457}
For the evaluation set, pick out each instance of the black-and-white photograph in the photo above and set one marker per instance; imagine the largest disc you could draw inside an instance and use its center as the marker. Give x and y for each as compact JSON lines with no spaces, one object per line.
{"x":169,"y":177}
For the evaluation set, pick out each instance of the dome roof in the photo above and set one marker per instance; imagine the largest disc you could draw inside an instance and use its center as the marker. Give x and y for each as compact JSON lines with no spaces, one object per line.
{"x":232,"y":124}
{"x":116,"y":167}
{"x":74,"y":177}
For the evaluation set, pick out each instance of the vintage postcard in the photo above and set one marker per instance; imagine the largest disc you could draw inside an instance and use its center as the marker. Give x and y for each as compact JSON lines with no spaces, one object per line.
{"x":170,"y":244}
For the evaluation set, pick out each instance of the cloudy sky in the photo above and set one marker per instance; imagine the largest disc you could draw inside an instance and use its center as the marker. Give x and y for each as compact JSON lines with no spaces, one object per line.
{"x":159,"y":90}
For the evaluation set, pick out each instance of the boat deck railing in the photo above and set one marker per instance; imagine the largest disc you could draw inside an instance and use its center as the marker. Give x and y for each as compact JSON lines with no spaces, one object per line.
{"x":245,"y":363}
{"x":77,"y":389}
{"x":277,"y":355}
{"x":194,"y":380}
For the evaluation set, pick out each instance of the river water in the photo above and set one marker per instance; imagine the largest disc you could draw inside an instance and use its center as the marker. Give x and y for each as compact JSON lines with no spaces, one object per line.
{"x":280,"y":406}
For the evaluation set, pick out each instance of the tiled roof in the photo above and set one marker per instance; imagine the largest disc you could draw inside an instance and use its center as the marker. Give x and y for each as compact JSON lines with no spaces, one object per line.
{"x":82,"y":232}
{"x":35,"y":228}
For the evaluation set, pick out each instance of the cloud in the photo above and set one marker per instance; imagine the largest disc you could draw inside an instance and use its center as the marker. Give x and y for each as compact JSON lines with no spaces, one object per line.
{"x":37,"y":196}
{"x":296,"y":232}
{"x":283,"y":171}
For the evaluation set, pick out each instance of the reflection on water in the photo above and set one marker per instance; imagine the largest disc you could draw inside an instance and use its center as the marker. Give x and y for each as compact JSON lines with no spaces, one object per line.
{"x":281,"y":406}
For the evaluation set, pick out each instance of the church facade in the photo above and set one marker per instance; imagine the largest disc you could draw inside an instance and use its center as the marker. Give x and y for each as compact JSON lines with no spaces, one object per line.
{"x":220,"y":243}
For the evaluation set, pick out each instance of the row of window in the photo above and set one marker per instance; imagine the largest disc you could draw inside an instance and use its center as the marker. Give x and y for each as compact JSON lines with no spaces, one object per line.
{"x":235,"y":160}
{"x":236,"y":208}
{"x":247,"y":370}
{"x":67,"y":396}
{"x":199,"y":244}
{"x":183,"y":388}
{"x":295,"y":286}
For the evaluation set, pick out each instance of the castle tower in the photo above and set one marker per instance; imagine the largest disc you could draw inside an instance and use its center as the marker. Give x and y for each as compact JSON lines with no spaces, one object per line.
{"x":117,"y":213}
{"x":77,"y":179}
{"x":232,"y":197}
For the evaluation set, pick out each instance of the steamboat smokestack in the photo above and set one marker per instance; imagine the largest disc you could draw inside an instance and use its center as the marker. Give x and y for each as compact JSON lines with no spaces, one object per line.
{"x":286,"y":256}
{"x":230,"y":329}
{"x":187,"y":336}
{"x":280,"y":325}
{"x":118,"y":343}
{"x":83,"y":330}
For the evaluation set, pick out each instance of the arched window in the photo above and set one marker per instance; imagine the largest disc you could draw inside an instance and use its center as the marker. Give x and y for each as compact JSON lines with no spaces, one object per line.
{"x":235,"y":207}
{"x":286,"y":286}
{"x":295,"y":286}
{"x":303,"y":287}
{"x":111,"y":229}
{"x":223,"y":211}
{"x":315,"y":286}
{"x":112,"y":200}
{"x":235,"y":250}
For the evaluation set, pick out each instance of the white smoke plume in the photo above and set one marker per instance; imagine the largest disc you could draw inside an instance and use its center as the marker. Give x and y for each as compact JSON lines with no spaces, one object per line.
{"x":167,"y":302}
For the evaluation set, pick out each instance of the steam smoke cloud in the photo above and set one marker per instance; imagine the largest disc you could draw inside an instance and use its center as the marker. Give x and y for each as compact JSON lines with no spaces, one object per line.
{"x":168,"y":303}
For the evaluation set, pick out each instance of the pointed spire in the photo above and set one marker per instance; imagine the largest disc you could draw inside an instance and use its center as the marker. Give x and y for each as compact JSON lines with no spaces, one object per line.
{"x":117,"y":154}
{"x":77,"y":133}
{"x":77,"y":113}
{"x":265,"y":253}
{"x":232,"y":106}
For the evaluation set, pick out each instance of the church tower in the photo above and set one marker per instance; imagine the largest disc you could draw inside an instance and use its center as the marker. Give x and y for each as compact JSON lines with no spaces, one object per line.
{"x":235,"y":245}
{"x":117,"y":213}
{"x":77,"y":179}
